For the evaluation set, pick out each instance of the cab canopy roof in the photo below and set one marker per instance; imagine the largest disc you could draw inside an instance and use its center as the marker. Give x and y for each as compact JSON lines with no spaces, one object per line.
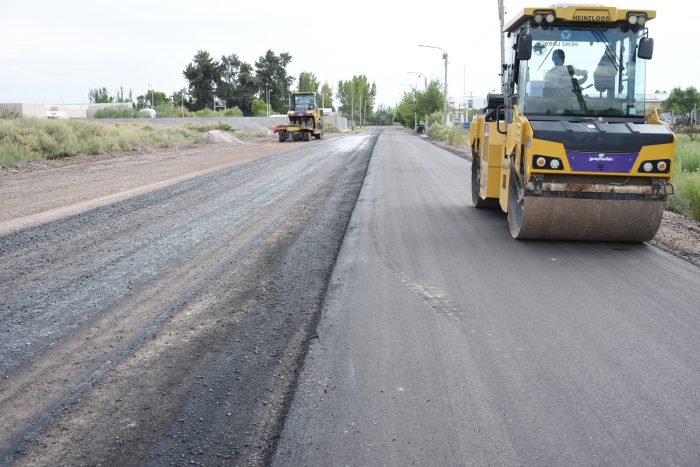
{"x":582,"y":14}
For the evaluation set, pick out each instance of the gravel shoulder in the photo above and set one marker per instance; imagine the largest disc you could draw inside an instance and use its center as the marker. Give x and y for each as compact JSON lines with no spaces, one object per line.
{"x":39,"y":192}
{"x":168,"y":327}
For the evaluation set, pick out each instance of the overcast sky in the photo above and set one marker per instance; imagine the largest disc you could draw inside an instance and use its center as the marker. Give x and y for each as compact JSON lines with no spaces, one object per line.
{"x":54,"y":51}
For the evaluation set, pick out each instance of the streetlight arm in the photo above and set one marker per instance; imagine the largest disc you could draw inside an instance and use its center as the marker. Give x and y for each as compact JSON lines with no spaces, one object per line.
{"x":433,"y":47}
{"x":444,"y":56}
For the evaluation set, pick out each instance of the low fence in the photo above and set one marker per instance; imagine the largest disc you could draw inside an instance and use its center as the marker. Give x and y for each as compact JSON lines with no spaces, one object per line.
{"x":239,"y":123}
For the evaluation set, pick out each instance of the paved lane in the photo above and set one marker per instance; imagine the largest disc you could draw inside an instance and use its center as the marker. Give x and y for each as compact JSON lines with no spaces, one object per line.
{"x":445,"y":342}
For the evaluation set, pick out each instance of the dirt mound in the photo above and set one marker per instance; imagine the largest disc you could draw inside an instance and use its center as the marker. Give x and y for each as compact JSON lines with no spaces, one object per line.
{"x":220,"y":137}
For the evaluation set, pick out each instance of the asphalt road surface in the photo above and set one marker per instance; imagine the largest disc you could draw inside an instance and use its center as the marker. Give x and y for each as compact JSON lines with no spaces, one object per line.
{"x":168,"y":328}
{"x":443,"y":341}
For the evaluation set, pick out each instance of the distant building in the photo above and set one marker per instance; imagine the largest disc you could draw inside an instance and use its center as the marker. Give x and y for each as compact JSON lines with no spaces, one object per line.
{"x":654,"y":100}
{"x":60,"y":111}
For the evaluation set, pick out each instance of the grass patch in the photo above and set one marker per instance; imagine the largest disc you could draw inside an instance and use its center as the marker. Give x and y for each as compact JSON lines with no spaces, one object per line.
{"x":330,"y":128}
{"x":686,"y":178}
{"x":454,"y":136}
{"x":27,"y":139}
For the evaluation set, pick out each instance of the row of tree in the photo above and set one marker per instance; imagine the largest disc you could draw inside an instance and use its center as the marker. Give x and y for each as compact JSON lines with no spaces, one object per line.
{"x":249,"y":88}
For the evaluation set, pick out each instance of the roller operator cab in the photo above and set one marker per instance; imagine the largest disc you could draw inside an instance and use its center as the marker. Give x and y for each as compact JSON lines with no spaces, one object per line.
{"x":567,"y":150}
{"x":305,"y":118}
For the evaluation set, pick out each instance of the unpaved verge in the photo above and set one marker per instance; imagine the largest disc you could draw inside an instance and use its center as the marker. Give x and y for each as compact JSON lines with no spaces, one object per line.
{"x":677,"y":235}
{"x":168,"y":328}
{"x":40,"y":192}
{"x":680,"y":236}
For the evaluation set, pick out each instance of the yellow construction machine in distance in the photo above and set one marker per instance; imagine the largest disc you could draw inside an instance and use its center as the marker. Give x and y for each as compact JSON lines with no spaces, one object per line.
{"x":305,"y":119}
{"x":566,"y":150}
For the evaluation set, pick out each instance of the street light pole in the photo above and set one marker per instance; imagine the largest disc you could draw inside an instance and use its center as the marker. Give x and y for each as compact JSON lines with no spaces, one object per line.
{"x":444,"y":56}
{"x":153,"y":104}
{"x":352,"y":100}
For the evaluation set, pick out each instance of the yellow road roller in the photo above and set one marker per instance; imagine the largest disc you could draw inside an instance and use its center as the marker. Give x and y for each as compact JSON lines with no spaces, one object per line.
{"x":305,"y":119}
{"x":567,"y":149}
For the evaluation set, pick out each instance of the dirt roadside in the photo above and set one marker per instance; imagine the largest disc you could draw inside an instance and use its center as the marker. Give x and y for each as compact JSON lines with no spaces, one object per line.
{"x":39,"y":192}
{"x":677,"y":235}
{"x":168,"y":328}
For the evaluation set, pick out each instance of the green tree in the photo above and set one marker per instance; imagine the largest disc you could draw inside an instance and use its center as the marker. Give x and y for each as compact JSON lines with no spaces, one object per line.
{"x":417,"y":105}
{"x":120,"y":95}
{"x":100,"y":96}
{"x":682,"y":101}
{"x":406,"y":111}
{"x":248,"y":85}
{"x":357,"y":93}
{"x":227,"y":81}
{"x":326,"y":97}
{"x":238,"y":84}
{"x":271,"y":71}
{"x":180,"y":97}
{"x":308,"y":82}
{"x":432,"y":100}
{"x":383,"y":116}
{"x":202,"y":75}
{"x":259,"y":108}
{"x":152,"y":99}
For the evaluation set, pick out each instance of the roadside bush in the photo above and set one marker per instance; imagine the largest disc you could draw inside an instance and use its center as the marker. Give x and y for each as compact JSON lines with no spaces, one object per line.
{"x":437,"y":131}
{"x":205,"y":113}
{"x":330,"y":128}
{"x":692,"y":191}
{"x":10,"y":114}
{"x":458,"y":136}
{"x":122,"y":112}
{"x":233,"y":112}
{"x":167,"y":110}
{"x":686,"y":178}
{"x":259,"y":108}
{"x":27,"y":139}
{"x":435,"y":117}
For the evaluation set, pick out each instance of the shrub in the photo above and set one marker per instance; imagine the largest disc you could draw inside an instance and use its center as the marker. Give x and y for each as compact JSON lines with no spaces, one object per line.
{"x":259,"y":108}
{"x":437,"y":131}
{"x":233,"y":112}
{"x":167,"y":110}
{"x":692,"y":192}
{"x":686,"y":179}
{"x":435,"y":117}
{"x":458,"y":136}
{"x":122,"y":112}
{"x":26,"y":139}
{"x":205,"y":113}
{"x":330,"y":128}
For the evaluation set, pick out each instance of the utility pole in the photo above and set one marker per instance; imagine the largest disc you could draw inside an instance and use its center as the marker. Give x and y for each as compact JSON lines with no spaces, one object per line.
{"x":365,"y":120}
{"x":352,"y":104}
{"x":501,"y":14}
{"x":444,"y":56}
{"x":362,"y":98}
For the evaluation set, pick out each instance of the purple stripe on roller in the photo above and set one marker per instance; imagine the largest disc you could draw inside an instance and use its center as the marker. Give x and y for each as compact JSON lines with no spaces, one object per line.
{"x":601,"y":162}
